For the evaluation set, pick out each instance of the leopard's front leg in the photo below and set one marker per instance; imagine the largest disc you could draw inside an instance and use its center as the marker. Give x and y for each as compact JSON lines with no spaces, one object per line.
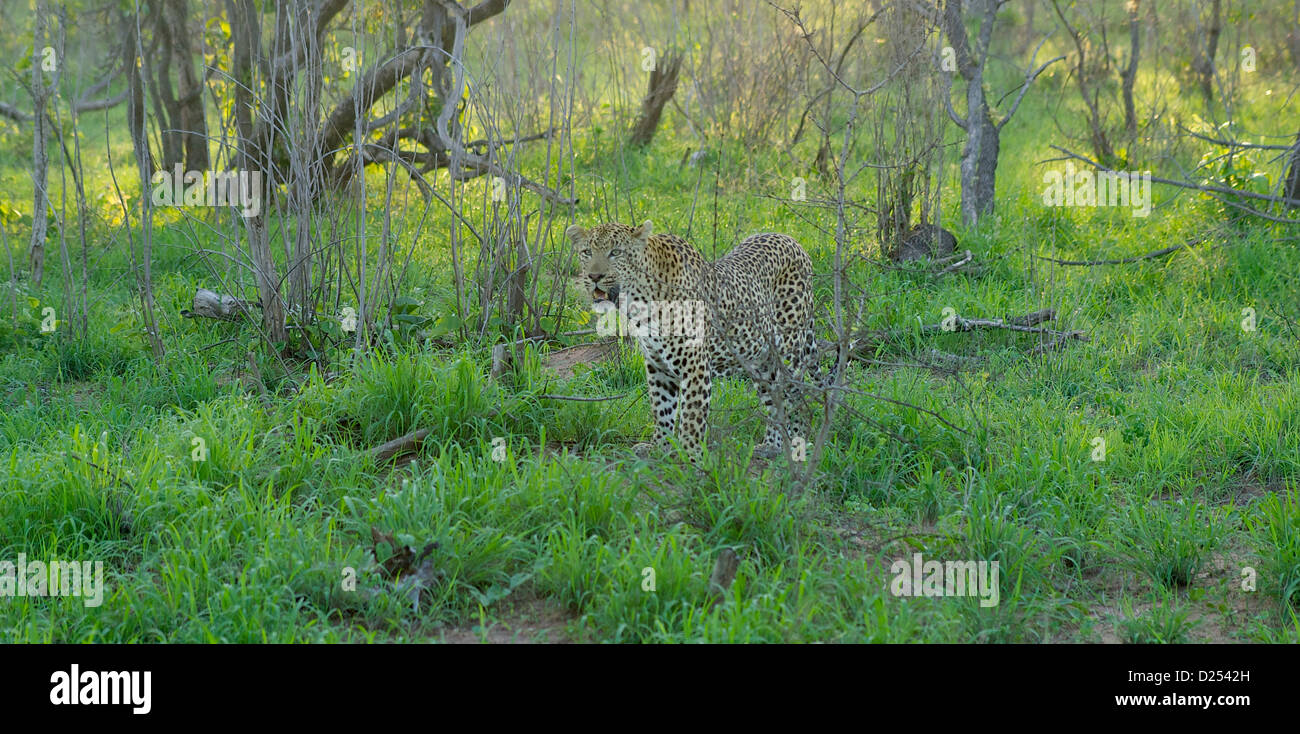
{"x":662,"y":387}
{"x":693,"y":402}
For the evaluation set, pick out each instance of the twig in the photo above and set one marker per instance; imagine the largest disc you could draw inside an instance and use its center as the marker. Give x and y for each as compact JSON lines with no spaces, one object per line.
{"x":1024,"y":323}
{"x":400,"y":445}
{"x":583,"y":399}
{"x":927,"y":411}
{"x":218,"y":343}
{"x":109,"y":474}
{"x":1060,"y":341}
{"x":1124,"y":260}
{"x":967,"y":258}
{"x":1187,"y":184}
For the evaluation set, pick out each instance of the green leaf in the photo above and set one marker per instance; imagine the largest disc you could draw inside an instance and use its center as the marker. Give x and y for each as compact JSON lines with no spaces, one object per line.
{"x":406,"y":304}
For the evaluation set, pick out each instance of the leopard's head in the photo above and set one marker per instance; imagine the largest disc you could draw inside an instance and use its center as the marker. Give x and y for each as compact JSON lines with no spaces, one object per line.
{"x":607,"y":253}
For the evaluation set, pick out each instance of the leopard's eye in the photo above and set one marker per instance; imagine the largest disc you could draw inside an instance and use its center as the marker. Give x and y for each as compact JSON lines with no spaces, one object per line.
{"x":586,"y":253}
{"x":615,"y":252}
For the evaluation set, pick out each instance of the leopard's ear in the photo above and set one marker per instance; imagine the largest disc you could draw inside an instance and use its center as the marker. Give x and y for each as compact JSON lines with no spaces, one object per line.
{"x":644,"y":231}
{"x":576,"y":234}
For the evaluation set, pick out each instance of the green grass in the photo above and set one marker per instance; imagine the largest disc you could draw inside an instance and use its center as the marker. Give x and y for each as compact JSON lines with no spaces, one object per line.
{"x":256,"y":541}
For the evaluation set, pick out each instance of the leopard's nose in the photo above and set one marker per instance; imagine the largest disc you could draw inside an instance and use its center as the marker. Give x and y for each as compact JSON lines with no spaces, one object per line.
{"x":596,"y":278}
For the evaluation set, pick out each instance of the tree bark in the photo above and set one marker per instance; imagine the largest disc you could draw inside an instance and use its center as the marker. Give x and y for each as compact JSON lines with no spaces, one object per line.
{"x":1292,"y":191}
{"x":145,"y":278}
{"x":1130,"y":71}
{"x":979,"y":157}
{"x":663,"y":84}
{"x":1203,"y":63}
{"x":40,"y":156}
{"x":253,"y":156}
{"x":187,"y":110}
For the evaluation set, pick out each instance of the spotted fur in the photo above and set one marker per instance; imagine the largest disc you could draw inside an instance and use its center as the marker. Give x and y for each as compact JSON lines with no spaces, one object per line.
{"x":758,"y":315}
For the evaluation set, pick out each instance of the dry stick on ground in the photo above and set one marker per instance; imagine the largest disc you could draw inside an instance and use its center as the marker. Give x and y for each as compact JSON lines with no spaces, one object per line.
{"x":863,"y":342}
{"x":400,"y":445}
{"x":965,"y":258}
{"x":1025,"y":324}
{"x":582,"y":399}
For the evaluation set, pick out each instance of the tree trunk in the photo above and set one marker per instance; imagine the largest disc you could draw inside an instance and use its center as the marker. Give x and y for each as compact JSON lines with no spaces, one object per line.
{"x":145,"y":278}
{"x":255,"y":158}
{"x":663,"y":84}
{"x":135,"y":109}
{"x":979,"y":160}
{"x":40,"y":157}
{"x":1203,"y":63}
{"x":187,"y":110}
{"x":1130,"y":73}
{"x":979,"y":157}
{"x":1292,"y":191}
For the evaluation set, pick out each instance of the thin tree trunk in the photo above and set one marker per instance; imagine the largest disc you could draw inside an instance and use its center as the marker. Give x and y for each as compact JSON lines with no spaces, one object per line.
{"x":254,"y":157}
{"x":145,"y":278}
{"x":1130,"y":71}
{"x":1204,"y":61}
{"x":188,"y":107}
{"x":663,"y":84}
{"x":40,"y":156}
{"x":1292,"y":191}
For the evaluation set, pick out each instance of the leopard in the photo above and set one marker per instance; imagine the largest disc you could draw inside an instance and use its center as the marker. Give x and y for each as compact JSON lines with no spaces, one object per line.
{"x":748,"y":313}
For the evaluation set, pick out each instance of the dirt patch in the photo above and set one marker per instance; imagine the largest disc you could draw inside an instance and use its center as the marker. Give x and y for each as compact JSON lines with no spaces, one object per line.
{"x":1219,"y":611}
{"x":529,"y":620}
{"x":1247,"y":492}
{"x":562,"y":361}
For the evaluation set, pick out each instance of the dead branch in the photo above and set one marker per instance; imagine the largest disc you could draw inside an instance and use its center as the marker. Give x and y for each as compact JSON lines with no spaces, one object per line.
{"x":1232,"y":143}
{"x":13,"y":113}
{"x":401,"y":445}
{"x":904,"y":404}
{"x":1125,"y":260}
{"x":1188,"y":184}
{"x":1026,"y":323}
{"x":1059,"y":342}
{"x":966,"y":258}
{"x":582,"y":399}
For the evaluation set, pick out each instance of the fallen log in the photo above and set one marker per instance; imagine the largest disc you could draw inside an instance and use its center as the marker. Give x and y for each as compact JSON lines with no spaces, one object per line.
{"x":401,"y":445}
